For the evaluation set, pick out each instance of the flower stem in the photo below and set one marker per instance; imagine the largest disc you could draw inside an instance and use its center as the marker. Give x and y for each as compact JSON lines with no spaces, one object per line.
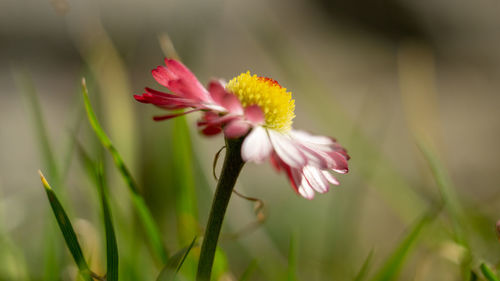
{"x":230,"y":171}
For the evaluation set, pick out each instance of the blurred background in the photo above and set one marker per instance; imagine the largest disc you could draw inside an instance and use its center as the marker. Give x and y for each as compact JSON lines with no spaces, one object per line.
{"x":410,"y":88}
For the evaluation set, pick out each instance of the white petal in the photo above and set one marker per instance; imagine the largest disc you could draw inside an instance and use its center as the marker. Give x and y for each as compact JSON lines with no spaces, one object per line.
{"x":256,"y":146}
{"x":315,"y":157}
{"x":316,"y":179}
{"x":305,"y":190}
{"x":330,"y":178}
{"x":312,"y":139}
{"x":315,"y":148}
{"x":287,"y":150}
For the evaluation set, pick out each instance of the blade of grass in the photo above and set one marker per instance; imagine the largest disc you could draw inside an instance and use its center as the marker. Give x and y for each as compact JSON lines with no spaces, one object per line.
{"x":292,"y":258}
{"x":111,"y":246}
{"x":67,"y":230}
{"x":185,"y":203}
{"x":174,"y":263}
{"x":451,"y":204}
{"x":364,"y":268}
{"x":186,"y":199}
{"x":450,"y":198}
{"x":51,"y":262}
{"x":473,"y":276}
{"x":87,"y":162}
{"x":394,"y":263}
{"x":74,"y":124}
{"x":27,"y":89}
{"x":12,"y":258}
{"x":186,"y":208}
{"x":12,"y":261}
{"x":129,"y":269}
{"x":248,"y":271}
{"x":145,"y":216}
{"x":488,"y":273}
{"x":182,"y":156}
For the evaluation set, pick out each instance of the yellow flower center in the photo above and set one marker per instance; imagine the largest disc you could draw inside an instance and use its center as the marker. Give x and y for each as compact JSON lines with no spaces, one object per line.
{"x":276,"y":103}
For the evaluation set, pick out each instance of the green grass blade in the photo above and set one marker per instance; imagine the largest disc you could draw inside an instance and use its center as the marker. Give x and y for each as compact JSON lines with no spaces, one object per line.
{"x":87,"y":162}
{"x":67,"y":230}
{"x":12,"y":258}
{"x":473,"y":276}
{"x":488,"y":273}
{"x":450,"y":198}
{"x":364,"y":268}
{"x":292,"y":258}
{"x":174,"y":263}
{"x":249,"y":270}
{"x":185,"y":203}
{"x":145,"y":215}
{"x":111,"y":246}
{"x":52,"y":266}
{"x":395,"y":262}
{"x":27,"y":88}
{"x":182,"y":171}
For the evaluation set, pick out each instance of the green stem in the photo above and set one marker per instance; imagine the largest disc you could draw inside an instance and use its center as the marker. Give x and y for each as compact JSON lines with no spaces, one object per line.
{"x":230,"y":171}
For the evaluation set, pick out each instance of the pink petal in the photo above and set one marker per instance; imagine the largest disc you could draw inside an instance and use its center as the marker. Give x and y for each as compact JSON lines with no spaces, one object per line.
{"x":218,"y":120}
{"x":294,"y":176}
{"x":254,"y":114}
{"x":341,"y":150}
{"x":287,"y":149}
{"x":232,"y":104}
{"x":322,"y":152}
{"x":170,"y":116}
{"x":164,"y":100}
{"x":183,"y":88}
{"x":256,"y":146}
{"x":217,"y":91}
{"x":163,"y":75}
{"x":315,"y":157}
{"x":275,"y":162}
{"x":211,"y":130}
{"x":181,"y":81}
{"x":236,"y":129}
{"x":182,"y":72}
{"x":340,"y":162}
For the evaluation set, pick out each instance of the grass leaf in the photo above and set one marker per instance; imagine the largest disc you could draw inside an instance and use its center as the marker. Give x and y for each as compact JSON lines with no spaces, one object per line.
{"x":473,"y":276}
{"x":111,"y":246}
{"x":145,"y":215}
{"x":292,"y":258}
{"x":185,"y":193}
{"x":448,"y":194}
{"x":365,"y":267}
{"x":394,"y":263}
{"x":174,"y":263}
{"x":66,"y":229}
{"x":52,"y":265}
{"x":488,"y":273}
{"x":249,"y":270}
{"x":27,"y":88}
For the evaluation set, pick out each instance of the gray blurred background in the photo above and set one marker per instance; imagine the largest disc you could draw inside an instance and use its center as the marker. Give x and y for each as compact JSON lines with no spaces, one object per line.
{"x":377,"y":75}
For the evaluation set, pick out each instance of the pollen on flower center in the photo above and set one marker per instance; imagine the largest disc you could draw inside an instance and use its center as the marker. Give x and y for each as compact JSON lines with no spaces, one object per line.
{"x":276,"y":103}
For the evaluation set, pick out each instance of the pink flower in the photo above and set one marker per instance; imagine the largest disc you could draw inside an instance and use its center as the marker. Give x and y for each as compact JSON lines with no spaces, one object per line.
{"x":261,"y":111}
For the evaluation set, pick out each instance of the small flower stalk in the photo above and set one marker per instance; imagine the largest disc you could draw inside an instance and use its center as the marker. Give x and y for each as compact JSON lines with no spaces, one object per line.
{"x":255,"y":115}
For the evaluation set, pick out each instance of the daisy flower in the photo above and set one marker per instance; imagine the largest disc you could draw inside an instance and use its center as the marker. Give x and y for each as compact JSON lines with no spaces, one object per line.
{"x":259,"y":110}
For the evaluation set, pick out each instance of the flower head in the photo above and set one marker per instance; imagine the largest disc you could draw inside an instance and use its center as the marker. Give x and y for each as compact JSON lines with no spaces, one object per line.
{"x":260,"y":110}
{"x":276,"y":103}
